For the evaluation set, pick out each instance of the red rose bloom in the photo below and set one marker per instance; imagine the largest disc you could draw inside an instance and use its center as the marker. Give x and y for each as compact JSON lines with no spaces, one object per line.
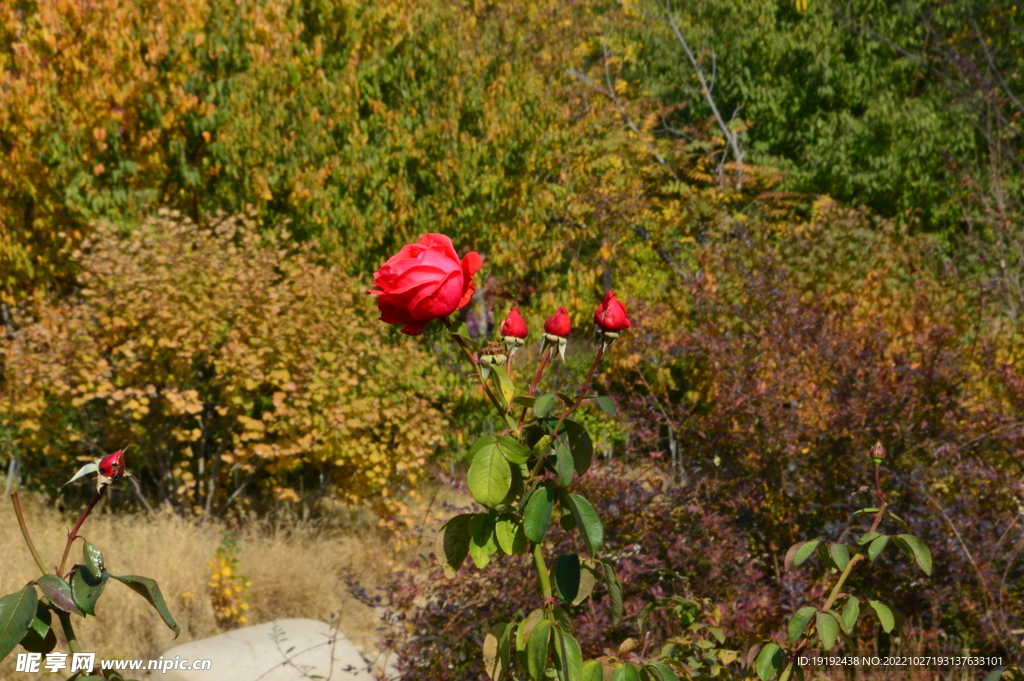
{"x":112,"y":465}
{"x":610,"y":315}
{"x":424,"y":282}
{"x":514,"y":326}
{"x":558,"y":323}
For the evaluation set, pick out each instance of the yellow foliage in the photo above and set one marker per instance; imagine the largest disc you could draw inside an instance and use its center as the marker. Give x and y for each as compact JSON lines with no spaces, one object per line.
{"x":220,"y":355}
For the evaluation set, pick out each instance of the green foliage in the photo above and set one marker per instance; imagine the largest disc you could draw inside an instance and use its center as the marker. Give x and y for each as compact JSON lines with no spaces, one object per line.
{"x":907,"y":108}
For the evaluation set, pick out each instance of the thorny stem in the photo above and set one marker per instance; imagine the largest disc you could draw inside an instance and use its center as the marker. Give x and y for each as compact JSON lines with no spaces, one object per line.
{"x":536,"y":380}
{"x":73,"y":534}
{"x":583,"y":390}
{"x":834,"y":594}
{"x":542,"y":571}
{"x":25,"y":534}
{"x":476,"y":364}
{"x":540,"y":372}
{"x":69,"y":631}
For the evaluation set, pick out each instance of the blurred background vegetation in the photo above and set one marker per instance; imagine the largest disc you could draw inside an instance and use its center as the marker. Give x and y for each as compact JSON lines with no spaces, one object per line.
{"x":811,"y":210}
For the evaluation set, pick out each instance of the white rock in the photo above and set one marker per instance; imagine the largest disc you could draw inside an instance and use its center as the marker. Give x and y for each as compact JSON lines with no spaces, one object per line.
{"x":284,"y":650}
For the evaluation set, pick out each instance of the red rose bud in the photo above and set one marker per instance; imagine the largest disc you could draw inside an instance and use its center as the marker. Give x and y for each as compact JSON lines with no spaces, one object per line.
{"x":112,"y":466}
{"x":514,"y":326}
{"x":558,"y":323}
{"x":556,"y":329}
{"x":610,"y":315}
{"x":513,"y":332}
{"x":423,"y":282}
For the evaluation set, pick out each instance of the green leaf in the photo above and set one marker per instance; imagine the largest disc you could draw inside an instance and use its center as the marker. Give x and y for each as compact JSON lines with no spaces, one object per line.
{"x":917,"y":550}
{"x":569,"y":656}
{"x":876,"y":546}
{"x":898,"y":520}
{"x":482,"y":544}
{"x":828,"y":629}
{"x":490,"y":477}
{"x":537,"y":515}
{"x":148,"y":589}
{"x":564,"y":467}
{"x":17,"y":611}
{"x":840,"y":555}
{"x":611,"y":580}
{"x":587,"y":522}
{"x":588,"y":579}
{"x":567,"y":577}
{"x":800,"y":552}
{"x":524,"y":401}
{"x":506,"y":388}
{"x":851,"y":612}
{"x":93,"y":559}
{"x":867,"y":537}
{"x":561,"y":618}
{"x":524,"y":630}
{"x":663,"y":672}
{"x":452,"y":544}
{"x":884,"y":614}
{"x":462,"y":330}
{"x":537,"y":649}
{"x":509,"y":533}
{"x":86,"y":589}
{"x":593,"y":670}
{"x":544,"y":404}
{"x":798,"y":622}
{"x":58,"y":592}
{"x":496,"y":651}
{"x":580,"y":445}
{"x":625,"y":672}
{"x":606,"y":404}
{"x":516,"y":489}
{"x":40,"y":637}
{"x":84,"y":470}
{"x":513,"y":450}
{"x":768,"y":661}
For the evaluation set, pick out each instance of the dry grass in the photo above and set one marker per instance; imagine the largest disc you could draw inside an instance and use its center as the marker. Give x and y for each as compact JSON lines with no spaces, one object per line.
{"x":297,"y":569}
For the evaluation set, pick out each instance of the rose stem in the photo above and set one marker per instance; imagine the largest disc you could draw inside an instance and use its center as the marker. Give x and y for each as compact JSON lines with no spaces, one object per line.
{"x":25,"y":534}
{"x":73,"y":534}
{"x":473,"y":360}
{"x":834,"y":593}
{"x":583,"y":391}
{"x":536,"y":380}
{"x":69,"y":631}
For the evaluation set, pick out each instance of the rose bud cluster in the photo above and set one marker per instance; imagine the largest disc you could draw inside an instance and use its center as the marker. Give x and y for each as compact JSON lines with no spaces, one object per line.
{"x":610,"y":319}
{"x":513,"y":332}
{"x":556,"y":331}
{"x":423,"y":282}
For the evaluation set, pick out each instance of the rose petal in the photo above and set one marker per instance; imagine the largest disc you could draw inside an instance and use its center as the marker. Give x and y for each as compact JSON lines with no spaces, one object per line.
{"x":470,"y":264}
{"x":439,"y":302}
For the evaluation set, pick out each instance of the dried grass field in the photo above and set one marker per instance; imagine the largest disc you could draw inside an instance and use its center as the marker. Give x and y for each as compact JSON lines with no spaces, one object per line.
{"x":296,"y":569}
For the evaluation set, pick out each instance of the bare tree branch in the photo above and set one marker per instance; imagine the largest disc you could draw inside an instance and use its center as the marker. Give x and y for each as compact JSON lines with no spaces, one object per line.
{"x":731,"y":137}
{"x":609,"y":92}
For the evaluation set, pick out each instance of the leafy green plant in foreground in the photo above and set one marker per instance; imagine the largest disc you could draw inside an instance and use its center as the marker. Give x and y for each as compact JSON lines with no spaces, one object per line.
{"x":27,"y":616}
{"x":525,"y":477}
